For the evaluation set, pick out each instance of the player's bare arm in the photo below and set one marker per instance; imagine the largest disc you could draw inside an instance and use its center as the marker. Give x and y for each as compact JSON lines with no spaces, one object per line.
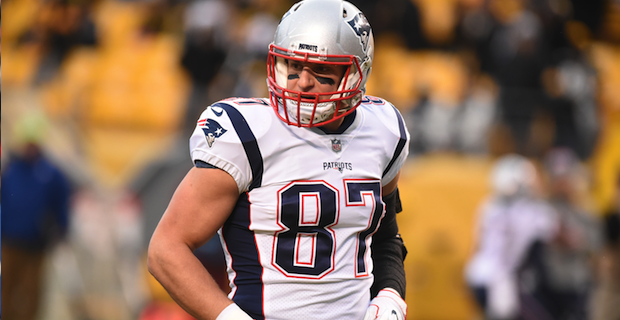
{"x":391,"y":186}
{"x":199,"y":206}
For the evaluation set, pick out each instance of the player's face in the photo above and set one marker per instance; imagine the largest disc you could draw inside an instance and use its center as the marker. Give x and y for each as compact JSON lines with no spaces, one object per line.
{"x":313,"y":77}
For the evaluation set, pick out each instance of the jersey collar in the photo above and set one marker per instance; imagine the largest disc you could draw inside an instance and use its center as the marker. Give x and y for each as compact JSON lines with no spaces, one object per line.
{"x":348,"y":121}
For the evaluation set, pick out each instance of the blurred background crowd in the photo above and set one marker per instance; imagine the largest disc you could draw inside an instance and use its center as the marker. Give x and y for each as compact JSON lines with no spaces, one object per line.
{"x":511,"y":194}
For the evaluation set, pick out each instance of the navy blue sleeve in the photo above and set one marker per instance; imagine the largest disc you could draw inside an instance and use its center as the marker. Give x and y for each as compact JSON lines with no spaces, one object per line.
{"x":202,"y":164}
{"x":388,"y":250}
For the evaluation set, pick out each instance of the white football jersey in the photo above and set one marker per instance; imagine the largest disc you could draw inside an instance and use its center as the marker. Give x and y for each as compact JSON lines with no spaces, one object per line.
{"x":297,"y":244}
{"x":506,"y":232}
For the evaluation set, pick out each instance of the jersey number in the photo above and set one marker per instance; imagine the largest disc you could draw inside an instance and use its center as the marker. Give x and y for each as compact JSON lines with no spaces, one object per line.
{"x":308,"y":210}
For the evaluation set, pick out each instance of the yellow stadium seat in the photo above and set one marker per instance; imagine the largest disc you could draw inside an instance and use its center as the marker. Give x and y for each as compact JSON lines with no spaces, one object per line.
{"x":65,"y":92}
{"x":115,"y":155}
{"x":20,"y":65}
{"x":118,"y":22}
{"x":17,"y":17}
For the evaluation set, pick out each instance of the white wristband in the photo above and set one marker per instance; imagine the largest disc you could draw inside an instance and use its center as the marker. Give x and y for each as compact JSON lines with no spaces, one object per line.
{"x":233,"y":312}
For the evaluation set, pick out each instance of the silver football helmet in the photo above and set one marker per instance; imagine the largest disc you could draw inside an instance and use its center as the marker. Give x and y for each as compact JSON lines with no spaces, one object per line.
{"x":513,"y":175}
{"x":331,"y":32}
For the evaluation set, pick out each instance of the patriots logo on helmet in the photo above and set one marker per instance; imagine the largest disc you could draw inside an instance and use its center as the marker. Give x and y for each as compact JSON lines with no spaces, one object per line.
{"x":212,"y":130}
{"x":360,"y":25}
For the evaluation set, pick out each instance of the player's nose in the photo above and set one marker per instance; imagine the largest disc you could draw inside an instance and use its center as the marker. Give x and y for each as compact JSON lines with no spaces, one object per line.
{"x":306,"y":80}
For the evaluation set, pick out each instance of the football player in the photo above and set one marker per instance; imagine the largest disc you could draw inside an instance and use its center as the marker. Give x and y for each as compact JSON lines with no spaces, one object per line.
{"x":304,"y":199}
{"x":513,"y":222}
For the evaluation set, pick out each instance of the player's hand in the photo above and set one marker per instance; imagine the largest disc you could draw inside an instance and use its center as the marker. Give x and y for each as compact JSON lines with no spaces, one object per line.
{"x":387,"y":305}
{"x":233,"y":312}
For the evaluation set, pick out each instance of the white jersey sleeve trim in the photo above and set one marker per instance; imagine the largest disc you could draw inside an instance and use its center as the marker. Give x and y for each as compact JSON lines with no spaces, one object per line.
{"x":234,"y":171}
{"x":221,"y":138}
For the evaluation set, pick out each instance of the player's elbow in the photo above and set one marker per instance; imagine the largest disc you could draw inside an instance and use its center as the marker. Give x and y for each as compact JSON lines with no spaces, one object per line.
{"x":152,"y":261}
{"x":155,"y":257}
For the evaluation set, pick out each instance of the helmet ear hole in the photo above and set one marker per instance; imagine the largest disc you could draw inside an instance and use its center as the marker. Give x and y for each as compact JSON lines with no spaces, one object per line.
{"x":344,"y":13}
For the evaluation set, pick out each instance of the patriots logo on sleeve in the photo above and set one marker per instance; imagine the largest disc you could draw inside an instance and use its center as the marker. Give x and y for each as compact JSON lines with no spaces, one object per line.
{"x":212,"y":130}
{"x":360,"y":25}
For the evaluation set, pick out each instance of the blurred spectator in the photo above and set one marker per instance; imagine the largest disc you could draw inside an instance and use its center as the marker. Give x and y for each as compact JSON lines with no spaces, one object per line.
{"x":568,"y":274}
{"x":247,"y":59}
{"x":437,"y":124}
{"x":434,"y":123}
{"x":535,"y":51}
{"x":395,"y":17}
{"x":476,"y":114}
{"x":516,"y":58}
{"x":508,"y":40}
{"x":607,"y":298}
{"x":258,"y":34}
{"x":570,"y":86}
{"x":35,"y":195}
{"x":62,"y":25}
{"x":513,"y":221}
{"x":205,"y":50}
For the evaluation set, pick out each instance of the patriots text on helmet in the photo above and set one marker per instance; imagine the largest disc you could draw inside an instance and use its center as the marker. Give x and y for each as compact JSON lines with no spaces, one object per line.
{"x":309,"y":47}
